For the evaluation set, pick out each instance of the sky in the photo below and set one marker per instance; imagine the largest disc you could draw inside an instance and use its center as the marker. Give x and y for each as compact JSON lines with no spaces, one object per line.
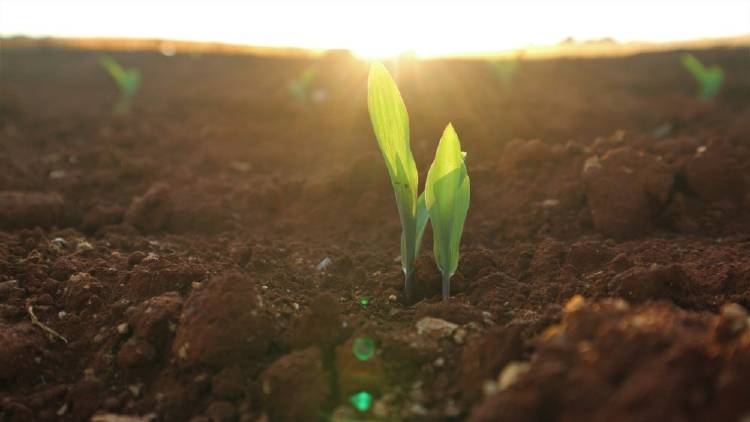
{"x":380,"y":27}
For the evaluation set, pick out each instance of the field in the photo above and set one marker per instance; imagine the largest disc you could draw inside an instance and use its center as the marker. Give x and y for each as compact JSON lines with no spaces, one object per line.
{"x":228,"y":251}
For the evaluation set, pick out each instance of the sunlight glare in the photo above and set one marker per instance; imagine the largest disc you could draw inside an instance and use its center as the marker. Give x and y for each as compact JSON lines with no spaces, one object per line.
{"x":380,"y":28}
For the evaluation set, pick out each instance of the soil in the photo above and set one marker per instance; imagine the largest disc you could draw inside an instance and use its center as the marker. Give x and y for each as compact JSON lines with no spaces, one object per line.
{"x":228,"y":251}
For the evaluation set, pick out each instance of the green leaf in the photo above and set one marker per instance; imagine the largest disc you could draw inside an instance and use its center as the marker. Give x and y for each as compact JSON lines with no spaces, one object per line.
{"x":447,"y":195}
{"x":390,"y":123}
{"x":128,"y":82}
{"x":709,"y":78}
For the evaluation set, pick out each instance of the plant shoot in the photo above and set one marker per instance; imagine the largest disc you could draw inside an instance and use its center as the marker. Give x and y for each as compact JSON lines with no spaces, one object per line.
{"x":299,"y":87}
{"x":447,"y":194}
{"x":128,"y":81}
{"x":709,"y":78}
{"x":390,"y":123}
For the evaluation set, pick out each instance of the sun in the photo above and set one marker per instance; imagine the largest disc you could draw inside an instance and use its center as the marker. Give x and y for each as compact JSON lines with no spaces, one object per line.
{"x":379,"y":52}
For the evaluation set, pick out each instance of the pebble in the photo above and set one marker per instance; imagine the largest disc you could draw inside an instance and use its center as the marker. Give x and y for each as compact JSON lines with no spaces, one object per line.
{"x":459,"y":336}
{"x":59,"y":242}
{"x":323,"y":264}
{"x":732,"y":321}
{"x":84,"y":246}
{"x":435,"y":327}
{"x":135,"y":389}
{"x":510,"y":374}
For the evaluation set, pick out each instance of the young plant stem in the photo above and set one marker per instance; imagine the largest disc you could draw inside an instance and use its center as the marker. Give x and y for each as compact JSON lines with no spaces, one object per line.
{"x":446,"y":286}
{"x":409,"y":285}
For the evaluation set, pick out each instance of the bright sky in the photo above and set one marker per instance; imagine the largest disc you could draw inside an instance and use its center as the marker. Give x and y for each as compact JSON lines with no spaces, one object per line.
{"x":380,"y":27}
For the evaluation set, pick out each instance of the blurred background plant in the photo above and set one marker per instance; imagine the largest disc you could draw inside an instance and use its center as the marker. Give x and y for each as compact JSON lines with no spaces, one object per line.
{"x":710,"y":78}
{"x":128,"y":82}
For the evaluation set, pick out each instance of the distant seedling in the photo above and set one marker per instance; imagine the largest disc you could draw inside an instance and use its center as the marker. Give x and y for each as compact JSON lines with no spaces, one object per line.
{"x":710,"y":79}
{"x":390,"y":122}
{"x":300,"y":87}
{"x":128,"y":81}
{"x":504,"y":70}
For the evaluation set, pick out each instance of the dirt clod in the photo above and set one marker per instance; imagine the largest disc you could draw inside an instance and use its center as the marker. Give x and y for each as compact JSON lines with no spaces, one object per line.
{"x":30,"y":209}
{"x":222,"y":323}
{"x":296,"y":386}
{"x":151,"y":211}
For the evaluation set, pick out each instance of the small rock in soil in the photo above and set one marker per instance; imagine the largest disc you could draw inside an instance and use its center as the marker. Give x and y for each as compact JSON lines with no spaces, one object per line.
{"x":511,"y":373}
{"x":405,"y":352}
{"x":79,"y":289}
{"x":435,"y":327}
{"x":30,"y":209}
{"x":732,"y":321}
{"x":151,"y":212}
{"x":296,"y":386}
{"x":223,"y":323}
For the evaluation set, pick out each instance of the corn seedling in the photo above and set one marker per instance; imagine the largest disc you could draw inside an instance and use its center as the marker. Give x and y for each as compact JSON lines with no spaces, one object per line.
{"x":390,"y":122}
{"x":446,"y":197}
{"x":447,"y":194}
{"x":504,"y":70}
{"x":128,"y":81}
{"x":299,"y":87}
{"x":709,"y":78}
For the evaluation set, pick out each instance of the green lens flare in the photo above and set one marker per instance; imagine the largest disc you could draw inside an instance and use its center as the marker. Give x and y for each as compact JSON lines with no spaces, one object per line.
{"x":364,"y":348}
{"x":361,"y":401}
{"x":364,"y":302}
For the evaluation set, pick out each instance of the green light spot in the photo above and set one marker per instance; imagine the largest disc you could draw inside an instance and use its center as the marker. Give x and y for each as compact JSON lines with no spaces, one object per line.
{"x":364,"y":302}
{"x":364,"y":348}
{"x":361,"y":401}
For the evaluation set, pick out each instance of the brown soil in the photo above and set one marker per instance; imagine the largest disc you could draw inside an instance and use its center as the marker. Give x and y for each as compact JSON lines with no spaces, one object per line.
{"x":177,"y":249}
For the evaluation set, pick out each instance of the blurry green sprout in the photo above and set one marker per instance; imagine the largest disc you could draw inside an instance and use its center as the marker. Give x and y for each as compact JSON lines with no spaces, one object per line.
{"x":505,"y":69}
{"x":447,"y":190}
{"x":709,"y":78}
{"x":447,"y":194}
{"x":299,"y":87}
{"x":128,"y":81}
{"x":391,"y":125}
